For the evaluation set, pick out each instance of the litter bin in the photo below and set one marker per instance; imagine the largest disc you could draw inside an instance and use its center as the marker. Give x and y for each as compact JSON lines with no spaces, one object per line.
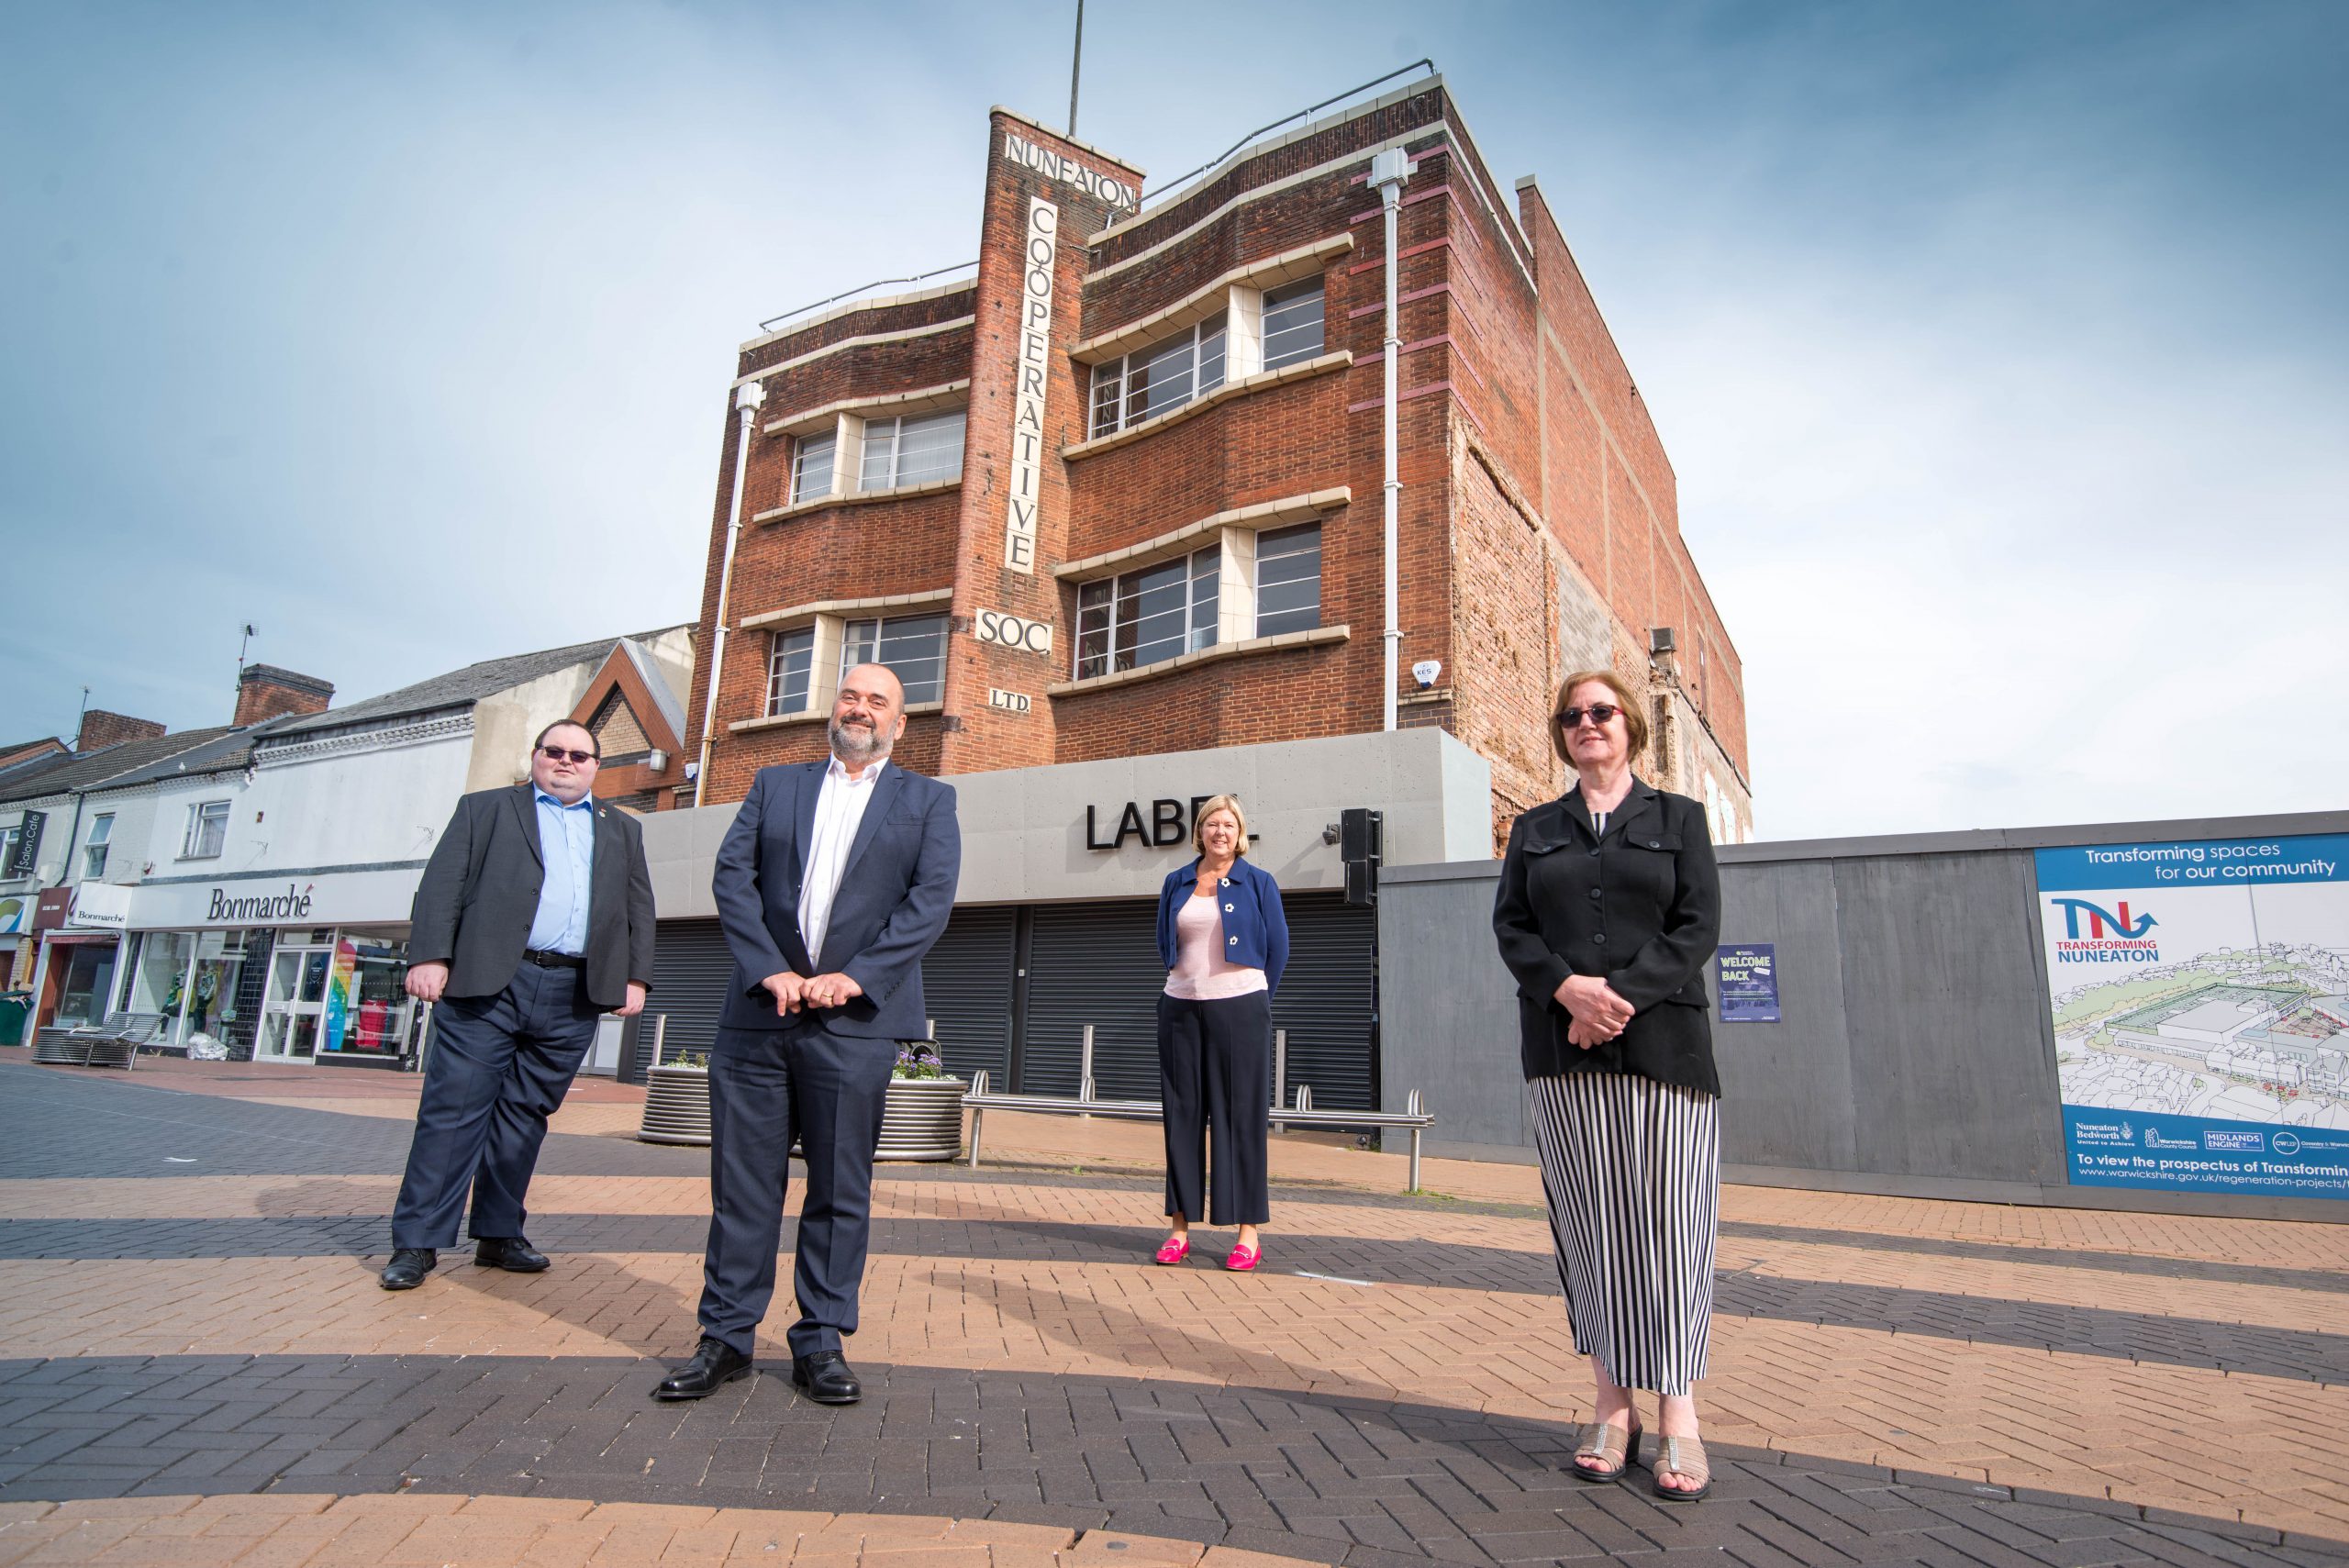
{"x":15,"y":1006}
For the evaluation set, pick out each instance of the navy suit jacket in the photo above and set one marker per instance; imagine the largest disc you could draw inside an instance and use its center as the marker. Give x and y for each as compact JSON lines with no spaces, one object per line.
{"x":480,"y":892}
{"x":896,"y":894}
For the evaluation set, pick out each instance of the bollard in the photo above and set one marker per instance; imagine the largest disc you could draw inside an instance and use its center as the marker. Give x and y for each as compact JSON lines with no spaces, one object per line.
{"x":1085,"y":1073}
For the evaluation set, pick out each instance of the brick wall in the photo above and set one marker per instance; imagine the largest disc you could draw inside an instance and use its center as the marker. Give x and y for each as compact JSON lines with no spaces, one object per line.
{"x":1538,"y":523}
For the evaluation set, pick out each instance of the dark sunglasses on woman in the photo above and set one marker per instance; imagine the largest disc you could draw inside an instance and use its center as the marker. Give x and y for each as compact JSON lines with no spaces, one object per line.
{"x":1601,"y":713}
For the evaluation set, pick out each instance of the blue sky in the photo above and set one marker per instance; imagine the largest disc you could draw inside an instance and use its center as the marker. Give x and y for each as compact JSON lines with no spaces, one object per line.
{"x":1999,"y":349}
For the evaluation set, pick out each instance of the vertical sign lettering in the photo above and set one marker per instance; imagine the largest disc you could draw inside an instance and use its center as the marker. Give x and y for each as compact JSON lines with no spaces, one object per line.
{"x":1041,"y":249}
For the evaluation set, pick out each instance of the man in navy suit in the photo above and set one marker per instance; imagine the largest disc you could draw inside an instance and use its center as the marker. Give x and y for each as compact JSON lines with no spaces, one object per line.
{"x":834,"y":882}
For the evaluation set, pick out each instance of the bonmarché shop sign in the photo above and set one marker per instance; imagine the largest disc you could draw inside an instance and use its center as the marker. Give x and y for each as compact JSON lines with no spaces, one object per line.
{"x":294,"y":904}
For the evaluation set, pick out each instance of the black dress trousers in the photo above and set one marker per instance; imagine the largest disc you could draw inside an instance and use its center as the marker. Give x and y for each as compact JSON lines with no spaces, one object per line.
{"x":1215,"y":1073}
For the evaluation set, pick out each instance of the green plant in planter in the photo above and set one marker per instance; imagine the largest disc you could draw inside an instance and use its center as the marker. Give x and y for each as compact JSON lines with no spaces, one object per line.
{"x":918,"y":1059}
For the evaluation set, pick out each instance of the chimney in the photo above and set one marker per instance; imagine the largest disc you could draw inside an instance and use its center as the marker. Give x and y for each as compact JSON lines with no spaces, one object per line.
{"x":264,"y":691}
{"x":100,"y":728}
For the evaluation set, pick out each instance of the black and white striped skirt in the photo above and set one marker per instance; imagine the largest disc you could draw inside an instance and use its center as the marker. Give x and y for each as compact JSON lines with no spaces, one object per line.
{"x":1632,"y":1169}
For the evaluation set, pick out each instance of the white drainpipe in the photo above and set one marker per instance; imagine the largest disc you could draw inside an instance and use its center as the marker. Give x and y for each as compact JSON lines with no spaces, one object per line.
{"x":1387,"y":171}
{"x":747,"y":399}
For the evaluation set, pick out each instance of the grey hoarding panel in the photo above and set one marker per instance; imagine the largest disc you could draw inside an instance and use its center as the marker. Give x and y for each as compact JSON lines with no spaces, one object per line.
{"x":967,"y":985}
{"x":1786,"y":1087}
{"x":1948,"y":1069}
{"x":1449,"y":1026}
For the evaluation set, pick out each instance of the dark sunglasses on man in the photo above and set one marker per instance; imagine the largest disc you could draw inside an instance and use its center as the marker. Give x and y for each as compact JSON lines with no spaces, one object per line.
{"x":1601,"y":713}
{"x":563,"y":754}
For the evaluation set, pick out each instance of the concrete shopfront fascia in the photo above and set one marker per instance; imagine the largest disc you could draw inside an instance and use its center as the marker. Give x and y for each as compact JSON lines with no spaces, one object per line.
{"x":1052,"y":928}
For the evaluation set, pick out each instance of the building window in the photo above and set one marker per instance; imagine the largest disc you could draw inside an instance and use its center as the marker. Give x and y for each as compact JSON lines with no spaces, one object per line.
{"x":1293,"y":330}
{"x":811,"y":466}
{"x":1141,"y":617}
{"x":913,"y":647}
{"x":94,"y":852}
{"x":916,"y":449}
{"x":1160,"y":378}
{"x":788,"y":671}
{"x":8,"y":837}
{"x":208,"y":830}
{"x":1288,"y":580}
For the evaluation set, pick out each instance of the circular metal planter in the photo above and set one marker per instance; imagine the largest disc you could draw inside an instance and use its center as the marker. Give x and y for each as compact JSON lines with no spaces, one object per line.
{"x":922,"y":1118}
{"x":676,"y":1106}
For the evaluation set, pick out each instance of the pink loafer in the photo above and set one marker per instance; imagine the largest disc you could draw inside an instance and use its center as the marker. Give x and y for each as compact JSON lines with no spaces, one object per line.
{"x":1243,"y":1258}
{"x":1175,"y":1249}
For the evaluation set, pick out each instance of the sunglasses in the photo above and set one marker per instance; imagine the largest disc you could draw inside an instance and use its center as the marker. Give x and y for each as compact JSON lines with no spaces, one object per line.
{"x":1601,"y":713}
{"x":563,"y":754}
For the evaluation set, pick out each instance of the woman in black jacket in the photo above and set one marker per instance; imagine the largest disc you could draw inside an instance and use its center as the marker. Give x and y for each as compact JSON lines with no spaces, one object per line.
{"x":1609,"y":906}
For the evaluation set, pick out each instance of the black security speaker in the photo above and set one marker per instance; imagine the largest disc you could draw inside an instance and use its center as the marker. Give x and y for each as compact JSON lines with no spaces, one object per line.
{"x":1361,"y":834}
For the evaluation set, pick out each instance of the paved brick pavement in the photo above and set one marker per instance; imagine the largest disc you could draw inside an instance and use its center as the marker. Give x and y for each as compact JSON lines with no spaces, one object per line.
{"x":203,"y":1343}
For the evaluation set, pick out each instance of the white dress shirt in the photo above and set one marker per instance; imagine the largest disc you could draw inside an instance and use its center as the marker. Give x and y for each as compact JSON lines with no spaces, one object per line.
{"x":840,"y":808}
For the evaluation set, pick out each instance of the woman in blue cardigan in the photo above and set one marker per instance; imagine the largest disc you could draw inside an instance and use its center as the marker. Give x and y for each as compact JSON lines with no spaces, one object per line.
{"x":1224,"y":942}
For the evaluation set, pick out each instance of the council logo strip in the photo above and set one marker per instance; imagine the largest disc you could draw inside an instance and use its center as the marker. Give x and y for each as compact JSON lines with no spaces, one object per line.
{"x":2199,"y":991}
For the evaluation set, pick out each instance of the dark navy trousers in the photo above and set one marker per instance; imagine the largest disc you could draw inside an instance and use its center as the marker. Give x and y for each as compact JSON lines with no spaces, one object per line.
{"x":1215,"y":1085}
{"x":765,"y":1087}
{"x":500,"y":1067}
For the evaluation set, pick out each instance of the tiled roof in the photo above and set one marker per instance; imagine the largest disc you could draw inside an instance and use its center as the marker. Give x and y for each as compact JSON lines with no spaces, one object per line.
{"x":459,"y":688}
{"x":109,"y":764}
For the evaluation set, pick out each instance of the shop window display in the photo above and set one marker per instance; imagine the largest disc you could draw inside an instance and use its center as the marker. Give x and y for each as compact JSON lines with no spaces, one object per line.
{"x":368,"y":1009}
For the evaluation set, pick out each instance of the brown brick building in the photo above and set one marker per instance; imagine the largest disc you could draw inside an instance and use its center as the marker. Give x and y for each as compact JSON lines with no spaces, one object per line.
{"x":1119,"y":493}
{"x":1112,"y":507}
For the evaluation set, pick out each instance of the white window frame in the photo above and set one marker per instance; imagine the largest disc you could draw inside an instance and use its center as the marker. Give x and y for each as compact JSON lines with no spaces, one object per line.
{"x":888,"y":434}
{"x":199,"y":812}
{"x":1109,"y":593}
{"x":1115,"y":377}
{"x":1256,"y":579}
{"x":1287,"y":294}
{"x":778,"y":651}
{"x":799,"y":449}
{"x":852,"y":653}
{"x":9,"y":834}
{"x":94,"y":848}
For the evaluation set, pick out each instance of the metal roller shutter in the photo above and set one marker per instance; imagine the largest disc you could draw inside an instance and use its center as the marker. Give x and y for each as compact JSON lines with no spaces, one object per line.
{"x":690,"y":969}
{"x":1093,"y":963}
{"x":966,"y":985}
{"x":1326,"y":1000}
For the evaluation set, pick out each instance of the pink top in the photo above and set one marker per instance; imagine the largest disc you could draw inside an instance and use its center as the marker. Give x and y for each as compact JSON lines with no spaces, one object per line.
{"x":1200,"y":973}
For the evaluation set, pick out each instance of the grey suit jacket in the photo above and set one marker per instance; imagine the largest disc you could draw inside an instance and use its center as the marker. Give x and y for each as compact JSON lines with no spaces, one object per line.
{"x":896,"y":894}
{"x":480,"y":894}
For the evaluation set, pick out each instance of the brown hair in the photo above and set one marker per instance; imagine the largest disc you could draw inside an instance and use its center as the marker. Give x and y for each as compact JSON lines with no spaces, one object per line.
{"x":1207,"y":808}
{"x":1635,"y":723}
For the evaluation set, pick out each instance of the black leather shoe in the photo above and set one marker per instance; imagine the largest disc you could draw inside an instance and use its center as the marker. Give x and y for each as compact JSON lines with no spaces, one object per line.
{"x":408,"y":1266}
{"x":513,"y":1253}
{"x":826,"y":1378}
{"x":713,"y":1367}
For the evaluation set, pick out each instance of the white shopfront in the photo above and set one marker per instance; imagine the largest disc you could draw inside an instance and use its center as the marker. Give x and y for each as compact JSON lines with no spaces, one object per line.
{"x":290,"y":966}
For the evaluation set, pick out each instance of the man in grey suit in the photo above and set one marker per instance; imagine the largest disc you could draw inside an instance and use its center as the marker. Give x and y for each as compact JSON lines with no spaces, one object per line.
{"x":533,"y":918}
{"x":834,"y":882}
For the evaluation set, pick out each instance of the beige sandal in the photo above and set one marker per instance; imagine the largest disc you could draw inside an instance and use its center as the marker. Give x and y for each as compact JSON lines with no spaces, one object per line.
{"x":1683,"y":1457}
{"x":1612,"y":1445}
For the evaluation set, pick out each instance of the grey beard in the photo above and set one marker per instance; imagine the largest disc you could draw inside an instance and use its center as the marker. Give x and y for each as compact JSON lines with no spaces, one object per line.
{"x":858,"y":747}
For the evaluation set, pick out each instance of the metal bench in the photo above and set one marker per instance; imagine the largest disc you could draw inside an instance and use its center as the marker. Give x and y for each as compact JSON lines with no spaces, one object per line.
{"x":1414,"y":1117}
{"x":112,"y":1043}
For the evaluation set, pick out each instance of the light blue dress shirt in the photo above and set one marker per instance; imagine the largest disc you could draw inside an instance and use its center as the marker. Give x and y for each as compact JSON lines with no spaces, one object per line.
{"x":567,"y":840}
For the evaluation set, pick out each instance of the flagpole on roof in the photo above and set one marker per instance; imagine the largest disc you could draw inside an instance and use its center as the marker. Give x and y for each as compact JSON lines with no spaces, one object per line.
{"x":1076,"y":66}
